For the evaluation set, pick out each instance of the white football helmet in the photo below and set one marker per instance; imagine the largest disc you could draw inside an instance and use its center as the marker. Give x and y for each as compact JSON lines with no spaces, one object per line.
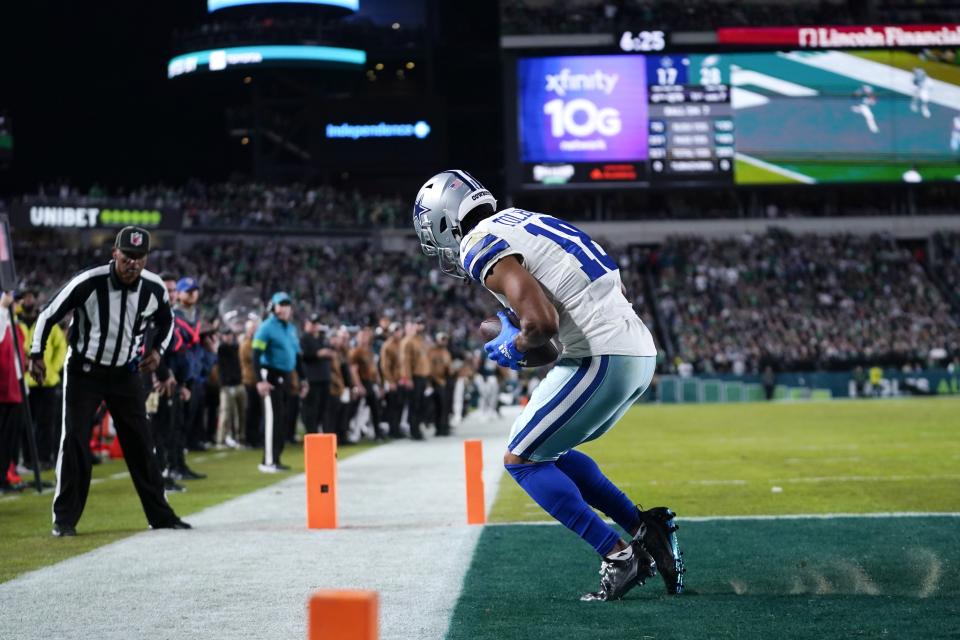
{"x":442,"y":203}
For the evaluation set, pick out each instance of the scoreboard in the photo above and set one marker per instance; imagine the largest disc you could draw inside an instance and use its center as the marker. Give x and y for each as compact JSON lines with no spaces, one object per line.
{"x":623,"y":119}
{"x":666,"y":119}
{"x":691,"y":132}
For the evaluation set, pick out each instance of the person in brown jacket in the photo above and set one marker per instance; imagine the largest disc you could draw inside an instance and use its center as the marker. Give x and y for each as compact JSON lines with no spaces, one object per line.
{"x":391,"y":373}
{"x":440,"y":371}
{"x":415,"y":373}
{"x":343,"y":389}
{"x":364,"y":370}
{"x":248,"y":376}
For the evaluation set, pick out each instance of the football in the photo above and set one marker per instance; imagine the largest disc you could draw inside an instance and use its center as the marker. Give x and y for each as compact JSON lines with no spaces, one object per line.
{"x":538,"y":357}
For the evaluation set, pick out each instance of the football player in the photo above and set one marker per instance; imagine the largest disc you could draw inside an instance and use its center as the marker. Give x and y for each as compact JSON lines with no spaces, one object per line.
{"x":955,"y":134}
{"x":921,"y":92}
{"x":561,"y":283}
{"x":866,"y":101}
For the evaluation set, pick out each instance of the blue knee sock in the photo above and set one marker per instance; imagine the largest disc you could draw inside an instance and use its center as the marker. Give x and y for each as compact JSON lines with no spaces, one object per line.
{"x":558,"y":495}
{"x":597,"y":490}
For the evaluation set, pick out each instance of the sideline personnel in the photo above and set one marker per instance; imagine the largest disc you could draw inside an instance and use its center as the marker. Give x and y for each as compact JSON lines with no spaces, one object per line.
{"x":111,"y":306}
{"x":276,"y":353}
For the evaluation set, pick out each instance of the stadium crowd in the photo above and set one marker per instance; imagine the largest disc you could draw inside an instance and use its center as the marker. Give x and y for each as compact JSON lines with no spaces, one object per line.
{"x":244,"y":205}
{"x":800,"y":302}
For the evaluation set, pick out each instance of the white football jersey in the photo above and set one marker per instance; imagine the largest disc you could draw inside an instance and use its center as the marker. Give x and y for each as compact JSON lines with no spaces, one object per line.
{"x":579,"y":278}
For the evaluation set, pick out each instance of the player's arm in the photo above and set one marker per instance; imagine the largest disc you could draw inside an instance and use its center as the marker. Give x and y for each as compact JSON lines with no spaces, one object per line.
{"x":539,"y":320}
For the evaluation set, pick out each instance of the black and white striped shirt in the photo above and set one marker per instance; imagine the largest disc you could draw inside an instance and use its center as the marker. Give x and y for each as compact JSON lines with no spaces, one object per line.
{"x":109,"y":318}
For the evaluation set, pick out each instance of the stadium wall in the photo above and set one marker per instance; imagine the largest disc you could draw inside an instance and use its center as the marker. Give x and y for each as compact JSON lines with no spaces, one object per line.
{"x":805,"y":386}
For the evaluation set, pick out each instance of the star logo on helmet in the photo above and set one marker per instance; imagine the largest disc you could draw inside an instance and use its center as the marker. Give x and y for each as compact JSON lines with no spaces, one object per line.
{"x":419,"y":209}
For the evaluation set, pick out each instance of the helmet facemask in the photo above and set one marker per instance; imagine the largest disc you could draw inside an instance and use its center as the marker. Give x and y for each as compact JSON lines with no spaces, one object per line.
{"x":448,"y":258}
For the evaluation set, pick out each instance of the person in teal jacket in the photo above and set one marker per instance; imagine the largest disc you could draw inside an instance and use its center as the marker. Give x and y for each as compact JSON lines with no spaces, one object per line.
{"x":276,"y":355}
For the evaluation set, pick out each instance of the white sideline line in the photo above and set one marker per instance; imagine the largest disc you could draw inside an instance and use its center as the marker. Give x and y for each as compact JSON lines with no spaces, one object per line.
{"x":786,"y":516}
{"x":947,"y":476}
{"x":799,"y":177}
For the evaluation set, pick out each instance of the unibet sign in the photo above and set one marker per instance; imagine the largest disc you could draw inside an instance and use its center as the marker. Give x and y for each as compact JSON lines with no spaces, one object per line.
{"x":92,"y":217}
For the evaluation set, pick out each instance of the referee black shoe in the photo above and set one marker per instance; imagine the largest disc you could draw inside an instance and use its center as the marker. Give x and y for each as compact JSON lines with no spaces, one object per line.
{"x":658,"y":533}
{"x":63,"y":531}
{"x":169,"y":484}
{"x":186,"y":473}
{"x":173,"y":524}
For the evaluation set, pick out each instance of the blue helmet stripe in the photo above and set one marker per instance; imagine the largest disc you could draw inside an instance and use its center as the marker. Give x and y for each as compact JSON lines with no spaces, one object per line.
{"x":467,"y":181}
{"x":488,"y":255}
{"x":476,"y":249}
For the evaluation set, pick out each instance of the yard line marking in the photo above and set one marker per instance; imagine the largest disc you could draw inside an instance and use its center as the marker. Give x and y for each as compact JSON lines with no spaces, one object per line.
{"x":757,"y":162}
{"x":740,"y":77}
{"x":118,"y":476}
{"x":900,"y":478}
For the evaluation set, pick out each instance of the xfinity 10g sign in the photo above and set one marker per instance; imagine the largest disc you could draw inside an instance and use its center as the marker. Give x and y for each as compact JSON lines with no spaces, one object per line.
{"x":582,"y":108}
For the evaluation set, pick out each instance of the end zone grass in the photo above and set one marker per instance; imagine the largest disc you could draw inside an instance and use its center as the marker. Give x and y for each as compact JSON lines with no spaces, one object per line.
{"x":750,"y":578}
{"x":113,"y":510}
{"x":837,"y":578}
{"x":859,"y":456}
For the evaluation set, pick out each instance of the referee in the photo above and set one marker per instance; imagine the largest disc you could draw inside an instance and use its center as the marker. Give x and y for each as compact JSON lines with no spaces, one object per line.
{"x":112,"y":306}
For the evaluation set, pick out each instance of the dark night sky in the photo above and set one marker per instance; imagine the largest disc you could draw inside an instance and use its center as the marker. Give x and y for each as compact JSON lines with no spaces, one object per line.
{"x":85,"y":85}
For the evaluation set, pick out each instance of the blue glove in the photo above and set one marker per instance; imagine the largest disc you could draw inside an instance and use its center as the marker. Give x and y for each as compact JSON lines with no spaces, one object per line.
{"x":503,"y":348}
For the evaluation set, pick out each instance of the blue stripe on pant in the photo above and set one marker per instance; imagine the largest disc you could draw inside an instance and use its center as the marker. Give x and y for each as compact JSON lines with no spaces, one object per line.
{"x":578,"y":400}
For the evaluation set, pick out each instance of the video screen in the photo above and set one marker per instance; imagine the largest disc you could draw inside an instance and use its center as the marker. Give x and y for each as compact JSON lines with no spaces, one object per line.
{"x":241,"y":58}
{"x":804,"y":117}
{"x":845,"y":116}
{"x":217,"y":5}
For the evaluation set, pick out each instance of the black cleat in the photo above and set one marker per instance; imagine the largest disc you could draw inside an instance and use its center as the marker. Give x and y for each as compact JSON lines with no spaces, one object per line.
{"x":63,"y":531}
{"x":169,"y":484}
{"x":617,"y":577}
{"x":186,"y":473}
{"x":658,"y":535}
{"x":173,"y":524}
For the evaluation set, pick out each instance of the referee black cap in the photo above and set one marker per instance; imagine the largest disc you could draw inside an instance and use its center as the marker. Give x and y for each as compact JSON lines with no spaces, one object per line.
{"x":133,"y":241}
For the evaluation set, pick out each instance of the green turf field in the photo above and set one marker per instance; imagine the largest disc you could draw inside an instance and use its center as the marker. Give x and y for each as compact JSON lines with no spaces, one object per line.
{"x":840,"y":578}
{"x":860,"y":456}
{"x":113,"y":510}
{"x":823,"y":577}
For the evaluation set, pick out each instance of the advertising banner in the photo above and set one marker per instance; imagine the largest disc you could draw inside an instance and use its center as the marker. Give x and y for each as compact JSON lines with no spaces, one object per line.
{"x":73,"y":216}
{"x":847,"y":37}
{"x":583,"y":108}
